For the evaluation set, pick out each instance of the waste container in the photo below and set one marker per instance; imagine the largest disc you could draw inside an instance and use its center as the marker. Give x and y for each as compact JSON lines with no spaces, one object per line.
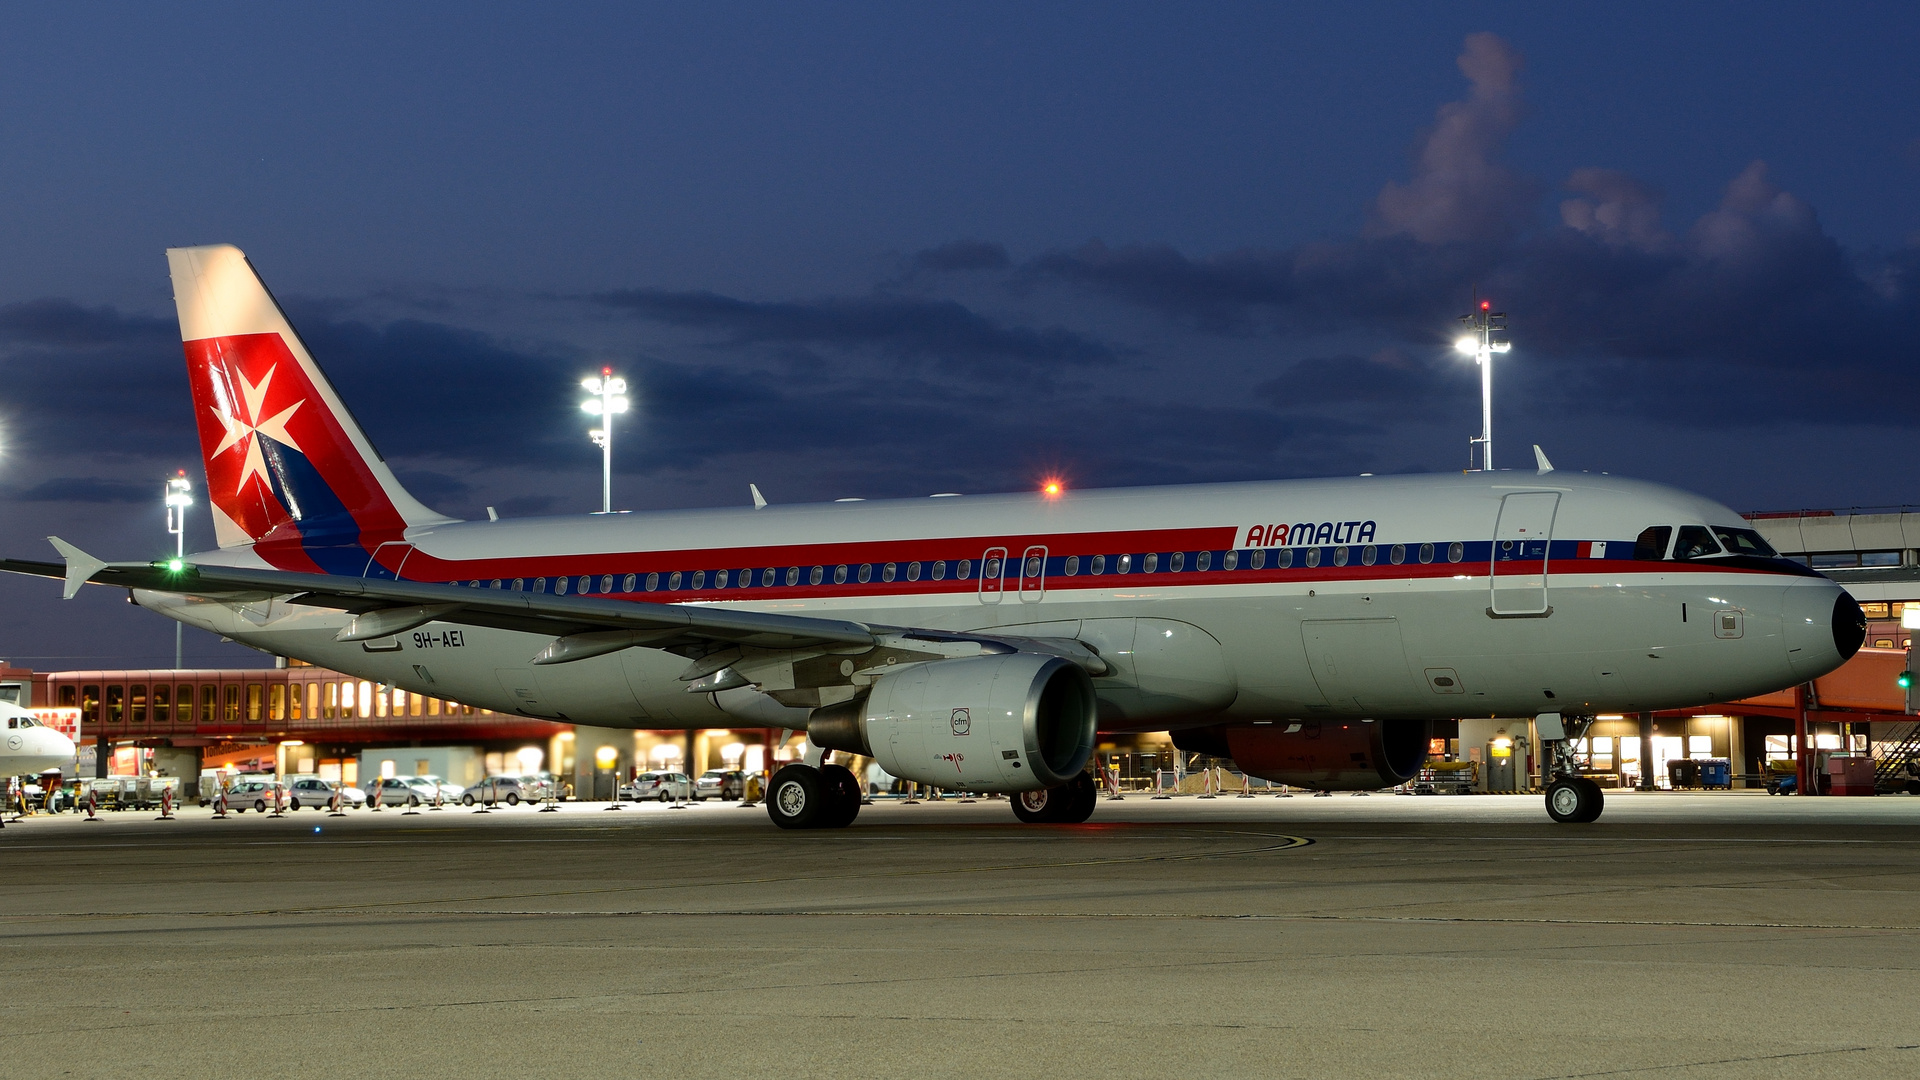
{"x":1683,"y":773}
{"x":1716,"y":773}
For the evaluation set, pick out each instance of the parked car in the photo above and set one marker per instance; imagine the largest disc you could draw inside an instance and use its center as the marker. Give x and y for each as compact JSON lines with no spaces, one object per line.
{"x":720,"y":784}
{"x":539,"y":785}
{"x":311,"y":792}
{"x":246,"y":793}
{"x":448,"y":788}
{"x":405,"y":791}
{"x":664,"y":786}
{"x":498,"y":789}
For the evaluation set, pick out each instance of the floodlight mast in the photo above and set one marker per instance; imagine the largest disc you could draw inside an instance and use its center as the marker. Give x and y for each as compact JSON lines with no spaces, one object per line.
{"x":609,"y":397}
{"x":179,"y":496}
{"x":1480,"y":342}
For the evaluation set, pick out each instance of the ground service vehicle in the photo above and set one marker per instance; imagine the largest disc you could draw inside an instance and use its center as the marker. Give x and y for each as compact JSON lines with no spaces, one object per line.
{"x":1309,"y":629}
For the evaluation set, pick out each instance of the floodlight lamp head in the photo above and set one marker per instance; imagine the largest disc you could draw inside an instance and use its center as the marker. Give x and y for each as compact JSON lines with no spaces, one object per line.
{"x":1501,"y":346}
{"x":1466,"y":346}
{"x":592,"y":405}
{"x":590,"y":385}
{"x":618,"y":404}
{"x":616,"y":386}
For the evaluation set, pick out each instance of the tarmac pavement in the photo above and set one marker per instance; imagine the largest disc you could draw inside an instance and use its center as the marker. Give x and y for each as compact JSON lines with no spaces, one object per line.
{"x":1683,"y":935}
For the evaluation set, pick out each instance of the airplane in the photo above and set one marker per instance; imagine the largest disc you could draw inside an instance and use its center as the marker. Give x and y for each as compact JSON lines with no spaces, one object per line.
{"x":29,"y":747}
{"x":1311,"y":630}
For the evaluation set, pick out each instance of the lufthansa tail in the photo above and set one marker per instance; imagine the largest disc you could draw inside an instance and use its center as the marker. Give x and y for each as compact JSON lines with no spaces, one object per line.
{"x":288,"y":469}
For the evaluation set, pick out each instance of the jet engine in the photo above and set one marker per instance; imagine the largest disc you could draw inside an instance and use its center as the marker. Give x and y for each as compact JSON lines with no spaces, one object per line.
{"x":1336,"y":755}
{"x":1008,"y":723}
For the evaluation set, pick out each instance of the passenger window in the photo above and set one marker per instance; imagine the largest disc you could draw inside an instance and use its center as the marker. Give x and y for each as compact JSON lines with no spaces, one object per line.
{"x":913,"y":571}
{"x":1456,"y":551}
{"x":1284,"y":559}
{"x":699,"y":579}
{"x":1151,"y":564}
{"x":1230,"y":560}
{"x":1367,"y":555}
{"x":963,"y":569}
{"x":1398,"y":554}
{"x":1313,"y":556}
{"x":766,"y":578}
{"x":939,"y":569}
{"x":653,"y":582}
{"x":496,"y":584}
{"x":1179,"y":561}
{"x":793,"y":575}
{"x":1259,"y":560}
{"x":1694,"y":542}
{"x":816,"y":575}
{"x":840,"y":574}
{"x":1099,"y":565}
{"x":1652,"y":543}
{"x":990,"y":569}
{"x":540,"y":584}
{"x":1340,"y":556}
{"x":606,"y":583}
{"x":627,"y":586}
{"x":673,"y":581}
{"x":560,"y":586}
{"x":519,"y":584}
{"x":888,"y":572}
{"x":1426,"y":553}
{"x":866,"y":573}
{"x":586,"y":583}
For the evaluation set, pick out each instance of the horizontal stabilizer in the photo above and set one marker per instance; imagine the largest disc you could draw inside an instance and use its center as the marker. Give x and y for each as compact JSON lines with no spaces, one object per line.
{"x":80,"y":566}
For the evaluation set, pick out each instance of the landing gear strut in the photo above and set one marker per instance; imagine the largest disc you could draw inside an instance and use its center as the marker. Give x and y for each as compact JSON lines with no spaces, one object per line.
{"x":1069,"y":804}
{"x":1572,"y":799}
{"x":804,"y":797}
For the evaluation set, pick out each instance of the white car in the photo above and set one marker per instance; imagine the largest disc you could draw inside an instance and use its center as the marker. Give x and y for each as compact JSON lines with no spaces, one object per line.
{"x":665,"y":786}
{"x":247,"y":794}
{"x":406,"y":791}
{"x":496,"y":789}
{"x":313,"y":793}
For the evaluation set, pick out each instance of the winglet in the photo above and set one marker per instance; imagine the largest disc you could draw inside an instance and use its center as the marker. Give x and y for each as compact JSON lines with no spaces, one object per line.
{"x":80,"y":566}
{"x":759,"y":500}
{"x":1540,"y":459}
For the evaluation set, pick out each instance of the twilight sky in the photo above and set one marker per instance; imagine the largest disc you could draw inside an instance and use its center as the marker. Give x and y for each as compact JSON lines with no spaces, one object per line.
{"x":877,"y":251}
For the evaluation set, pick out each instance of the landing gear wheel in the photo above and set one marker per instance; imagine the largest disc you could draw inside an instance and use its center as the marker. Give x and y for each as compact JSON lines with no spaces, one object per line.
{"x":1039,"y":807}
{"x":1574,"y":800}
{"x":838,"y":779}
{"x":797,"y":797}
{"x":1083,"y":794}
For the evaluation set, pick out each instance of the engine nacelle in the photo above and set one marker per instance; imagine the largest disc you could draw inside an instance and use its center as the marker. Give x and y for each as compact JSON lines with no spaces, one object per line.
{"x":1008,"y":723}
{"x":1325,"y":755}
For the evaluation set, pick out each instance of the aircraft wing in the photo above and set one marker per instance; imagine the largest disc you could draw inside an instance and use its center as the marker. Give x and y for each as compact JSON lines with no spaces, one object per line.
{"x":582,"y":626}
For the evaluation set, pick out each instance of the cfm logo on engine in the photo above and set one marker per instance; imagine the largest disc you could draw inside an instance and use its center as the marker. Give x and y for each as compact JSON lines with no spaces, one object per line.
{"x":962,"y":721}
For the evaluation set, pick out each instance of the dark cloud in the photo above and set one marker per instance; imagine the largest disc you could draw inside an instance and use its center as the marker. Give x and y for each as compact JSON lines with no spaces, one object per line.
{"x":65,"y":324}
{"x":89,"y":489}
{"x":1387,"y":377}
{"x":901,"y":327}
{"x":963,"y":255}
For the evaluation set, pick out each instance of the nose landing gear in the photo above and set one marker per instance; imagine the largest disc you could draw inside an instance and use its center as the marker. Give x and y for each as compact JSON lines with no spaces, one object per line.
{"x":1572,"y":799}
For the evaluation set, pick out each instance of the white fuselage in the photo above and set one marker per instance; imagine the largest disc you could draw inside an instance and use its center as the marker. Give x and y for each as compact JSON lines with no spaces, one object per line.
{"x":1298,"y":626}
{"x":28,"y":747}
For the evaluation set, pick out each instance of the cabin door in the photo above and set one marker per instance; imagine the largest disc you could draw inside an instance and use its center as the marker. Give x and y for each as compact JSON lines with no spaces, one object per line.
{"x":1521,"y":540}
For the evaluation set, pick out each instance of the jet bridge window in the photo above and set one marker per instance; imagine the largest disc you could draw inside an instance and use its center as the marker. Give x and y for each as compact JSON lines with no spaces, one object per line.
{"x":1745,"y":542}
{"x":1694,"y":542}
{"x":1651,"y":546}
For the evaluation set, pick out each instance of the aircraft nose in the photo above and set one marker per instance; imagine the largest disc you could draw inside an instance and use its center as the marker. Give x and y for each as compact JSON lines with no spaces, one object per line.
{"x":1823,"y":626}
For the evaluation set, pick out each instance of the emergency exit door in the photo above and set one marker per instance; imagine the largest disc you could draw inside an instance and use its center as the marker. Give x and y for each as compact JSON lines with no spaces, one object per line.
{"x":1522,"y":538}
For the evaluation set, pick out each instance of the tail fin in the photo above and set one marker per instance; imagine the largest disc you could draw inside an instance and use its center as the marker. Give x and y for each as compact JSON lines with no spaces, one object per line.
{"x":288,"y":467}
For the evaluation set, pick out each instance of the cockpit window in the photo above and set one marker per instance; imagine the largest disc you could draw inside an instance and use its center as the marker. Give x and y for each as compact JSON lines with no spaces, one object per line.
{"x":1652,"y":544}
{"x":1694,"y":542}
{"x":1744,"y":542}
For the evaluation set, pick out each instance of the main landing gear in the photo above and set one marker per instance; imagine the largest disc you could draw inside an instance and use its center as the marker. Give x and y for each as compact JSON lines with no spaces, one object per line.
{"x":1572,"y":799}
{"x":804,"y":797}
{"x":1069,"y":804}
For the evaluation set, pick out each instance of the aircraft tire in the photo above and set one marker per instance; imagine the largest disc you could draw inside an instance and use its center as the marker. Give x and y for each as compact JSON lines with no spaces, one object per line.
{"x":1574,"y":800}
{"x":1083,"y":794}
{"x":1038,"y":807}
{"x":846,"y":796}
{"x":797,"y":797}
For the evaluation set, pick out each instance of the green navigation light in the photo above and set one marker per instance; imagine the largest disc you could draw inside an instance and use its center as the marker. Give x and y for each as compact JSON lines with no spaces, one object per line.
{"x":174,"y":566}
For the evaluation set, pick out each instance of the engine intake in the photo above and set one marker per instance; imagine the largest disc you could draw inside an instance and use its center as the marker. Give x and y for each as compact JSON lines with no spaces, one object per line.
{"x":1337,"y":755}
{"x":1015,"y":722}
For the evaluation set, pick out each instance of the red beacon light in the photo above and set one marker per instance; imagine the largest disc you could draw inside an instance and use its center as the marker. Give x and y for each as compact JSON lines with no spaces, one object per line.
{"x":1486,"y":305}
